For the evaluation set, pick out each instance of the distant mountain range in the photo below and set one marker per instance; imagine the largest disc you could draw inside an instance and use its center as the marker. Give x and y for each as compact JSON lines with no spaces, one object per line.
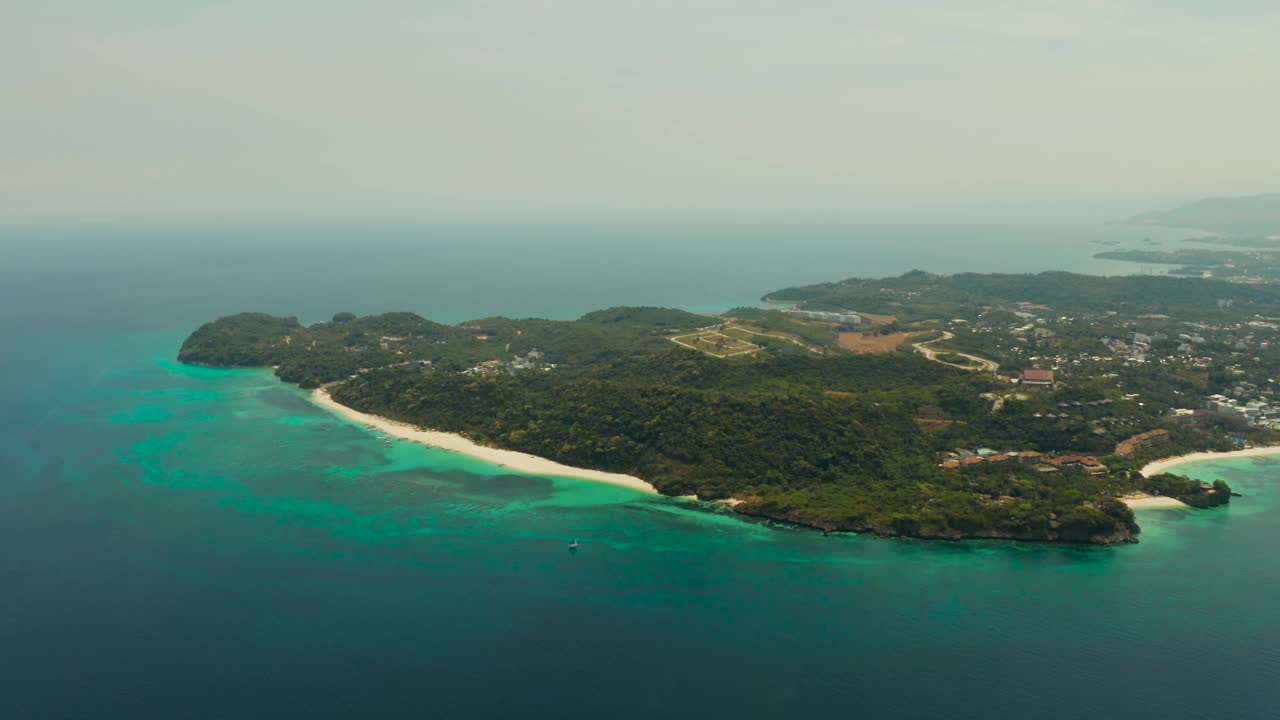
{"x":1251,"y":213}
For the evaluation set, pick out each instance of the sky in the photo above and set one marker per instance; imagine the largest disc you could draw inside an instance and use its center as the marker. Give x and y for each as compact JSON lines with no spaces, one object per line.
{"x":436,"y":109}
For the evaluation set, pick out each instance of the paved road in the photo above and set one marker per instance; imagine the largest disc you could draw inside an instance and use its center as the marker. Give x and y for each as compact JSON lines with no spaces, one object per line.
{"x":983,"y":364}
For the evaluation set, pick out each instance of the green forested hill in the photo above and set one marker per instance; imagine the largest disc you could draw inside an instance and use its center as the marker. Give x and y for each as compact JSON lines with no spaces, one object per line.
{"x":917,"y":295}
{"x":247,"y":339}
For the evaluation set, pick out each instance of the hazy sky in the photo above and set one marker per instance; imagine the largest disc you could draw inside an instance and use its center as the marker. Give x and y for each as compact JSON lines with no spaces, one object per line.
{"x":436,"y":109}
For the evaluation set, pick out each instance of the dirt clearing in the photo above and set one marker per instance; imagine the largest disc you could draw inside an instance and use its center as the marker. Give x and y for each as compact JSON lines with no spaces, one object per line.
{"x":868,"y":343}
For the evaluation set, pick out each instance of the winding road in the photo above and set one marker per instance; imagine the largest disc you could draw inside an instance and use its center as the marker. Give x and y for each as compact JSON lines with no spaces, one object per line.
{"x":981,"y":364}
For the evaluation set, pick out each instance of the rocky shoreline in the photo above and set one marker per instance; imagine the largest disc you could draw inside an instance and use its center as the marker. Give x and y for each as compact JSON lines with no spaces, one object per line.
{"x":1069,"y":536}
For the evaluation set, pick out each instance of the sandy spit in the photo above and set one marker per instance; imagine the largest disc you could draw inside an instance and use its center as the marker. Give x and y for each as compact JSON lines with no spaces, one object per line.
{"x":1142,"y":500}
{"x":517,"y":461}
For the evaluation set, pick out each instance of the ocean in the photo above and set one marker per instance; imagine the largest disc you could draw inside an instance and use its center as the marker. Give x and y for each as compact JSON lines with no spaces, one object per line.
{"x":182,"y":542}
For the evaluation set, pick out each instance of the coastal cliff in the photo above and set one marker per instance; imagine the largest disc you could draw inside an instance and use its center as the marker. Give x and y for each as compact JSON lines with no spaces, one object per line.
{"x":1121,"y":530}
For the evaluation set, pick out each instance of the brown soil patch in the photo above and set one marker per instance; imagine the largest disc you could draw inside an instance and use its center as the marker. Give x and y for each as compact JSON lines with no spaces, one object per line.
{"x":867,"y":343}
{"x":878,"y":319}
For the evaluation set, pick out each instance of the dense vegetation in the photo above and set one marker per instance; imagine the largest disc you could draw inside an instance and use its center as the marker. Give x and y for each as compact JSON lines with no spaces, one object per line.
{"x":325,"y":352}
{"x":1253,"y":266}
{"x":920,"y":295}
{"x":247,"y":339}
{"x":1191,"y":492}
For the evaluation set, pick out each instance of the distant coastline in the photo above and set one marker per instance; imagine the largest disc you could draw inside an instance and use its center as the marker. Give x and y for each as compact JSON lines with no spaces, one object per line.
{"x":1159,"y":466}
{"x":520,"y":462}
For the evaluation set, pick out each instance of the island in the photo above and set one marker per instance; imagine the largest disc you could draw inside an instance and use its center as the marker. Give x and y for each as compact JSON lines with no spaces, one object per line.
{"x":1022,"y":407}
{"x":1241,"y":244}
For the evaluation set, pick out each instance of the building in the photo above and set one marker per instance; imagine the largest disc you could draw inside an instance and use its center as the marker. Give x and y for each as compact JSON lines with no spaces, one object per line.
{"x":969,"y":461}
{"x":844,"y":318}
{"x":411,"y":364}
{"x":1037,"y":378}
{"x":1064,"y":461}
{"x":1092,"y":465}
{"x":1130,"y":446}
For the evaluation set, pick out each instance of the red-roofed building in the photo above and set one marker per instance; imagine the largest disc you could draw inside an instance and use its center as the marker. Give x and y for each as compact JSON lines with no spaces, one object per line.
{"x":1062,"y":461}
{"x":1092,"y":465}
{"x":1141,"y":440}
{"x":1037,"y":378}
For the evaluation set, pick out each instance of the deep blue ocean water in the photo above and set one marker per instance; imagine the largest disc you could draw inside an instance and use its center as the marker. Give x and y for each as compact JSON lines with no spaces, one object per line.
{"x":180,"y":542}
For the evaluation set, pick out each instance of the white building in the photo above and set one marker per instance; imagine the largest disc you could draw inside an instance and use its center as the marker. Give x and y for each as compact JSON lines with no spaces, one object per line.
{"x":844,"y":318}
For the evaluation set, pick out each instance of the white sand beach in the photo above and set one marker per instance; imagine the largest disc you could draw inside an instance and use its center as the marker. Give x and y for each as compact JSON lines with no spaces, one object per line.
{"x":1160,"y":466}
{"x":520,"y":462}
{"x":1138,"y":501}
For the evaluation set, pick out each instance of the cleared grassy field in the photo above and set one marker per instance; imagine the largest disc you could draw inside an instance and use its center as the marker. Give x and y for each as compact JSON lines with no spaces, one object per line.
{"x":870,"y":343}
{"x":716,"y":344}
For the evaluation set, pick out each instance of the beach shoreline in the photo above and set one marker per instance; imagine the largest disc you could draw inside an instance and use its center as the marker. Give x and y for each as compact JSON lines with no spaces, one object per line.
{"x":1163,"y":465}
{"x":1139,"y":501}
{"x":535,"y":465}
{"x":517,"y":461}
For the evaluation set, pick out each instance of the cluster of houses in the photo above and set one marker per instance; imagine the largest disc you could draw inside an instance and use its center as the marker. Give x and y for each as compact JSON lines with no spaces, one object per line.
{"x":1137,"y":347}
{"x":529,"y":361}
{"x":488,"y":368}
{"x":1245,"y":404}
{"x":406,"y":365}
{"x":985,"y":460}
{"x":1072,"y":406}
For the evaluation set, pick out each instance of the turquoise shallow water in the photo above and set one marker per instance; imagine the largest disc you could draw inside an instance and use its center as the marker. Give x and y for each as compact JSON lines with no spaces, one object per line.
{"x":186,"y":542}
